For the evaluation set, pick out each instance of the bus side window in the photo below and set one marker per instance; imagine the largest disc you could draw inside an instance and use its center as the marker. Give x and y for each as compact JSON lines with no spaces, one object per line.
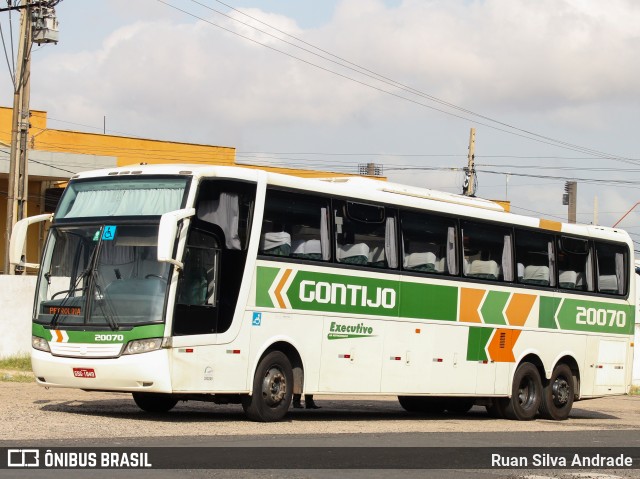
{"x":365,"y":235}
{"x":428,"y":243}
{"x":295,"y":225}
{"x":612,"y":262}
{"x":575,"y":264}
{"x":535,"y":259}
{"x":488,"y":252}
{"x":199,"y":280}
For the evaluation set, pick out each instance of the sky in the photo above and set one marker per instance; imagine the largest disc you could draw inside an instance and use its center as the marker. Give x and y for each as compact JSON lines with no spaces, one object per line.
{"x":552,"y":88}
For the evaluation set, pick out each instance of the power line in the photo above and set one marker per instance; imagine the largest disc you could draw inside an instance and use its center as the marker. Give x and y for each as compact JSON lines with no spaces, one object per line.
{"x":6,"y":56}
{"x":524,"y":133}
{"x":376,"y":76}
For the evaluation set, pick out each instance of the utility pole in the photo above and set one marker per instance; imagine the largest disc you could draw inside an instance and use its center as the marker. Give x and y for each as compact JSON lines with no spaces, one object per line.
{"x":469,"y":186}
{"x":18,"y":174}
{"x":38,"y":24}
{"x":570,"y":199}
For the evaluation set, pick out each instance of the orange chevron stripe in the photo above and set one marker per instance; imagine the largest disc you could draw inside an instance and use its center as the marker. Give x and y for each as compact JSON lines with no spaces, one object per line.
{"x":58,"y":336}
{"x":278,"y":290}
{"x":470,"y":300}
{"x":519,"y":308}
{"x":501,"y":346}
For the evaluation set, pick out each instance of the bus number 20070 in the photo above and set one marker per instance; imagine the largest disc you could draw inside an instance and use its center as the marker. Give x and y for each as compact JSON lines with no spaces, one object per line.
{"x":601,"y":317}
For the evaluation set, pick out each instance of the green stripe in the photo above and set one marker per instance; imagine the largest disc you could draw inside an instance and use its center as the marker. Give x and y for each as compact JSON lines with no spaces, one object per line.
{"x":493,"y":307}
{"x":264,"y":279}
{"x":428,"y":301}
{"x":548,"y":307}
{"x":314,"y":291}
{"x":340,"y":293}
{"x":597,"y":317}
{"x":477,"y":343}
{"x":137,"y":332}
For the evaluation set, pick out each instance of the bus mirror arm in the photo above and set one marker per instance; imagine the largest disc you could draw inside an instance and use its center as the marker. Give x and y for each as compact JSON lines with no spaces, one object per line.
{"x":18,"y":238}
{"x":167,"y":232}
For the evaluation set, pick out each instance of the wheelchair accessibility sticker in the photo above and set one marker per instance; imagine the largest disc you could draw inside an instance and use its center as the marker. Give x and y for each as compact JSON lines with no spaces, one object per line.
{"x":109,"y":233}
{"x":257,"y":319}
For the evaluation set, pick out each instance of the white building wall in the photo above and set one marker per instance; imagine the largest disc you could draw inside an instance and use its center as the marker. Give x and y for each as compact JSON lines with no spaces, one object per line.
{"x":16,"y":298}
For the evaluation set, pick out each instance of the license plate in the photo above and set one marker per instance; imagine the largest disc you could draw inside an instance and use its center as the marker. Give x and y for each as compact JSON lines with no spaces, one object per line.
{"x":84,"y":373}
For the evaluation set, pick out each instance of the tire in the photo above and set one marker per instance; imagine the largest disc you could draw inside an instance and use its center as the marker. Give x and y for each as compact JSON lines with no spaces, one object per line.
{"x":526,"y":394}
{"x":558,"y":394}
{"x":272,"y":389}
{"x":422,"y":404}
{"x":154,"y":402}
{"x":459,"y":406}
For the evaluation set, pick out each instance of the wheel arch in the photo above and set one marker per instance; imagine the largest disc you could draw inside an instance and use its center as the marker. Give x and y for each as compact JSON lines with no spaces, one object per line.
{"x":289,"y":350}
{"x":534,"y":359}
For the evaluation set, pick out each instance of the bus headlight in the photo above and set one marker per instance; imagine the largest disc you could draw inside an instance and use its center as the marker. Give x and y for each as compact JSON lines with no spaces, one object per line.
{"x":143,"y":346}
{"x":40,"y":344}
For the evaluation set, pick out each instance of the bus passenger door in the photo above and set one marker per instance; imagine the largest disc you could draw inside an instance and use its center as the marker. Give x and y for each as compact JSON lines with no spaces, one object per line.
{"x":196,"y":313}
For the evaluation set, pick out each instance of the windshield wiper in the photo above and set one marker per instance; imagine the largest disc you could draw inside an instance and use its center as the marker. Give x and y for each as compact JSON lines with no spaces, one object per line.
{"x":56,"y":315}
{"x":104,"y":304}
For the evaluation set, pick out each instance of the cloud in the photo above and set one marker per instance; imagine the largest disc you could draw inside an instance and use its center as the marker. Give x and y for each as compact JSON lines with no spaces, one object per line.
{"x":565,"y":68}
{"x":561,"y":57}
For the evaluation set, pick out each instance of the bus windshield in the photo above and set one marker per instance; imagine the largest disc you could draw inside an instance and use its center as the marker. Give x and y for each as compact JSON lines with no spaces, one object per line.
{"x":120,"y":196}
{"x":101,"y":275}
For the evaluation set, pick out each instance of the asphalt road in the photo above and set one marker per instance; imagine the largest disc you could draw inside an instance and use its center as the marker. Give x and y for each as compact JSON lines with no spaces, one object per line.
{"x":34,"y":417}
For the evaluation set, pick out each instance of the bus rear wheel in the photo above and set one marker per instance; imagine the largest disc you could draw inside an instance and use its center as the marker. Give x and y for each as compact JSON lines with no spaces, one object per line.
{"x":154,"y":402}
{"x":421,"y":404}
{"x":272,"y":389}
{"x":557,"y":395}
{"x":526,"y":394}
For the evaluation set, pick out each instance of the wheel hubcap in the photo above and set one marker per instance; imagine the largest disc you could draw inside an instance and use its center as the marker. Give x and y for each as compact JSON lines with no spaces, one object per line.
{"x":560,"y":390}
{"x":525,"y":393}
{"x":274,"y":387}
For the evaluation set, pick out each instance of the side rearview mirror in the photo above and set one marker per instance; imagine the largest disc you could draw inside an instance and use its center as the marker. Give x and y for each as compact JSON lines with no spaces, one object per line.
{"x":167,"y":233}
{"x":18,"y":238}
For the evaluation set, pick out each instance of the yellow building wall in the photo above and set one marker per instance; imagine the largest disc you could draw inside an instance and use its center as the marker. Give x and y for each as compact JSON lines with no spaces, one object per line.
{"x":35,"y":235}
{"x":126,"y":150}
{"x":129,"y":150}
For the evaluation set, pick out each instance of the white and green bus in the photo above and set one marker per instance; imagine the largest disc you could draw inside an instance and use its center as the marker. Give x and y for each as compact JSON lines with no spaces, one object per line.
{"x":233,"y":285}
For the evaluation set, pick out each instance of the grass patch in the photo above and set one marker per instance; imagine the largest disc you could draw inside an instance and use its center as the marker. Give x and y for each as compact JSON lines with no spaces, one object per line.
{"x":16,"y":369}
{"x":635,"y":390}
{"x":16,"y":377}
{"x":20,"y":362}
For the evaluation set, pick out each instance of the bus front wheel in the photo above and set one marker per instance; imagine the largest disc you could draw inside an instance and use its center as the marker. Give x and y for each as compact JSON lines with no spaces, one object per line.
{"x":526,"y":394}
{"x":557,"y":395}
{"x":272,"y":389}
{"x":151,"y":402}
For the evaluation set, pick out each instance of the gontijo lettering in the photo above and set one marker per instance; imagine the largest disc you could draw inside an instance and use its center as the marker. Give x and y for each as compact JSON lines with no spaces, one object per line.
{"x":353,"y":294}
